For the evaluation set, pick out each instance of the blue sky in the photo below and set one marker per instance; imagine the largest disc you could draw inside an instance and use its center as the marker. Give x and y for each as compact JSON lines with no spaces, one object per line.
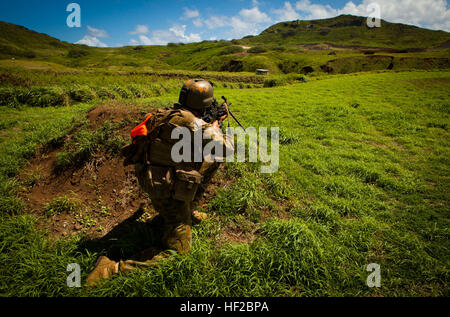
{"x":153,"y":22}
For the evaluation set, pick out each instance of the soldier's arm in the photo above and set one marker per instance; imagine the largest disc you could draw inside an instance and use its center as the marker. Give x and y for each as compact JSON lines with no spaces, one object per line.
{"x":213,"y":133}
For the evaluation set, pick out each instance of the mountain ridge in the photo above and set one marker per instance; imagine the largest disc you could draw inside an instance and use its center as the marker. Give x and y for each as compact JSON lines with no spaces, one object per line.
{"x":300,"y":46}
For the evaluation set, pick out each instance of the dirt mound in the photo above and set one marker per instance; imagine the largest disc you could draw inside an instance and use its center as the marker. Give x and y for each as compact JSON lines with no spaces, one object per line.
{"x":102,"y":192}
{"x":115,"y":112}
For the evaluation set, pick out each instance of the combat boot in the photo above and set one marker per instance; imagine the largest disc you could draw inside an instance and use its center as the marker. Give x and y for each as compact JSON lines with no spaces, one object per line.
{"x":104,"y":269}
{"x":198,"y":217}
{"x":178,"y":238}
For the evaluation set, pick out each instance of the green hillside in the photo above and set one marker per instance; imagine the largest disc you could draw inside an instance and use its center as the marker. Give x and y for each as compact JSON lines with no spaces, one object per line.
{"x":342,"y":44}
{"x":351,"y":30}
{"x":18,"y":41}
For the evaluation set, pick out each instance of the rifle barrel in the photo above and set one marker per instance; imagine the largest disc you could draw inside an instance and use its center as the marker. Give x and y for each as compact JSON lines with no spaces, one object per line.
{"x":237,"y":121}
{"x":229,"y":111}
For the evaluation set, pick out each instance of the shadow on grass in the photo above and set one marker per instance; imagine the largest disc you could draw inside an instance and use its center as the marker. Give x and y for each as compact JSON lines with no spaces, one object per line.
{"x":127,"y":239}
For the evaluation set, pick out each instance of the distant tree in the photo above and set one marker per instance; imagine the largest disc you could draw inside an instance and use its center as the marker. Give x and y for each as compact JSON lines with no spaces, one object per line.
{"x":77,"y":53}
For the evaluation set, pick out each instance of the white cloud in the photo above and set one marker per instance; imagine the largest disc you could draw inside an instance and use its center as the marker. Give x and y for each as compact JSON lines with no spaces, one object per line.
{"x":176,"y":34}
{"x":97,"y":32}
{"x":179,"y":31}
{"x":317,"y":11}
{"x":140,"y":29}
{"x":190,"y":14}
{"x":198,"y":23}
{"x":286,"y":13}
{"x":254,"y":16}
{"x":424,"y":13}
{"x":148,"y":41}
{"x":134,"y":42}
{"x":91,"y":41}
{"x":215,"y":22}
{"x":250,"y":21}
{"x":246,"y":22}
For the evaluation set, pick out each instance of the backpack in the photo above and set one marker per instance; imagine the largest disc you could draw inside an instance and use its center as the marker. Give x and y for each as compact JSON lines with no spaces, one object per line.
{"x":144,"y":134}
{"x":158,"y":181}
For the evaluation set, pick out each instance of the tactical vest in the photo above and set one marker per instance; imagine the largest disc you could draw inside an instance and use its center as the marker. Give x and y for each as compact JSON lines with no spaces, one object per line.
{"x":157,"y":173}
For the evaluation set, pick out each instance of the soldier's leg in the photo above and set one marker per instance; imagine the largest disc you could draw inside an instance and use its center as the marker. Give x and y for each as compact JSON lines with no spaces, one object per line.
{"x":177,"y":216}
{"x":177,"y":234}
{"x":208,"y":171}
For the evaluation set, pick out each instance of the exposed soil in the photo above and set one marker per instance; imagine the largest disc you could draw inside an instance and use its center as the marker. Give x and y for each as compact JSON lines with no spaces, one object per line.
{"x":107,"y":192}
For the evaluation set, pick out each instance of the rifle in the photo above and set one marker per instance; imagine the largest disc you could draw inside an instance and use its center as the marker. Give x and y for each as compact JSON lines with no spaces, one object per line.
{"x":216,"y":111}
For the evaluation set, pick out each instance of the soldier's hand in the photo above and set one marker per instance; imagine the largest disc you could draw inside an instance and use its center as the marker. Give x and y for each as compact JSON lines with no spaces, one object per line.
{"x":222,"y":118}
{"x":216,"y":124}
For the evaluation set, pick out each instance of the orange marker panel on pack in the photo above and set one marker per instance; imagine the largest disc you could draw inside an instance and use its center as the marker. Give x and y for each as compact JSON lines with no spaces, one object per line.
{"x":141,"y":129}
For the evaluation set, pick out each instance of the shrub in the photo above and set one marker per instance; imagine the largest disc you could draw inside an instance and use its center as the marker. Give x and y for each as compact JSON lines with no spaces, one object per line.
{"x":46,"y":97}
{"x":138,"y":91}
{"x":133,"y":64}
{"x":257,"y":49}
{"x":291,"y":66}
{"x":279,"y":48}
{"x":81,"y":94}
{"x":123,"y":92}
{"x":231,"y":50}
{"x":34,"y":97}
{"x":8,"y":97}
{"x":273,"y":82}
{"x":77,"y":53}
{"x":29,"y":54}
{"x":105,"y":93}
{"x":284,"y":80}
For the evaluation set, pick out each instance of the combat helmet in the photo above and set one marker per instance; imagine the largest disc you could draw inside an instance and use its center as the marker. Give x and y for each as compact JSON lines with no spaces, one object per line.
{"x":196,"y":94}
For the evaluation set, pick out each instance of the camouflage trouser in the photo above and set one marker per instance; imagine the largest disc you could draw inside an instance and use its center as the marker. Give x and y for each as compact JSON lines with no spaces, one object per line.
{"x":177,"y":234}
{"x":177,"y":222}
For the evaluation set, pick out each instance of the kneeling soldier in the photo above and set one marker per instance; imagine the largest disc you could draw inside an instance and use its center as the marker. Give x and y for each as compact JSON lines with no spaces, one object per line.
{"x":174,"y":187}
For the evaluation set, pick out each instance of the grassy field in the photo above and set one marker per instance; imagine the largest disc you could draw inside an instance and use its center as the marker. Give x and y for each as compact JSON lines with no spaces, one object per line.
{"x":363,"y":178}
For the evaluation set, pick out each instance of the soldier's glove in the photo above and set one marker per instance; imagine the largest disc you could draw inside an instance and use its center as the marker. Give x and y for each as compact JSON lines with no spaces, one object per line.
{"x":135,"y":152}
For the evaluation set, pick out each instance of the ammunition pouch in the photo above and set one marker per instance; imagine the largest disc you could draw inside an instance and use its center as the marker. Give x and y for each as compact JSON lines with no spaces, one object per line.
{"x":157,"y":181}
{"x":186,"y":185}
{"x":159,"y":153}
{"x":135,"y":152}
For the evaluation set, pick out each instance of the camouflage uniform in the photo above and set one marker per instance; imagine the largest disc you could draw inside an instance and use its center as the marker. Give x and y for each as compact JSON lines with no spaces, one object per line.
{"x":174,"y":188}
{"x":176,"y":213}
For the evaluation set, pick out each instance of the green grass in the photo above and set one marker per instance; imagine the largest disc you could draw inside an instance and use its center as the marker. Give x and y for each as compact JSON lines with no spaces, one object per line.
{"x":23,"y":131}
{"x":85,"y":143}
{"x":364,"y":177}
{"x":59,"y":205}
